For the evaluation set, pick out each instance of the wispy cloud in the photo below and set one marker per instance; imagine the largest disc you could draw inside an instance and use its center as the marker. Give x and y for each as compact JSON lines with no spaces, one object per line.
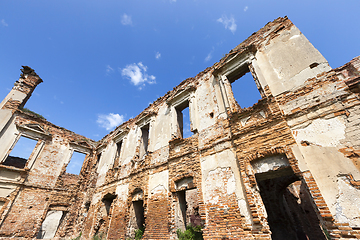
{"x":157,"y":55}
{"x":172,"y":0}
{"x":137,"y":74}
{"x":109,"y":121}
{"x":4,"y":23}
{"x":246,"y":8}
{"x":109,"y":69}
{"x":58,"y":100}
{"x":209,"y":56}
{"x":229,"y":23}
{"x":126,"y":19}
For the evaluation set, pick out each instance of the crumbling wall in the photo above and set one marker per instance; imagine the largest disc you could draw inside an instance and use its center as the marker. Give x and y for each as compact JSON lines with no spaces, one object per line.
{"x":287,"y":167}
{"x":31,"y":193}
{"x":321,"y":114}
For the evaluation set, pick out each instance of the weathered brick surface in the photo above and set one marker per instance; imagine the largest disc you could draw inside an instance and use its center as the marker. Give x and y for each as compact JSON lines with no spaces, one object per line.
{"x":117,"y":229}
{"x":216,"y":166}
{"x":26,"y":214}
{"x":157,"y":223}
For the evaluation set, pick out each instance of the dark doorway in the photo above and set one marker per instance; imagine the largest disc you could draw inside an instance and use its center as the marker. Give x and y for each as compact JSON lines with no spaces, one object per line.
{"x":139,"y":213}
{"x":289,"y":206}
{"x":108,"y":201}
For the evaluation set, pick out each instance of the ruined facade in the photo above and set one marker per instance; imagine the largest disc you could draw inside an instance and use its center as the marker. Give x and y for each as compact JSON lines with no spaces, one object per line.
{"x":286,"y":168}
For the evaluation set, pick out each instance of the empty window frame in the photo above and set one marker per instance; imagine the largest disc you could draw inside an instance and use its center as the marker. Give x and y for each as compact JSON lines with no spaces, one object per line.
{"x":144,"y":140}
{"x":187,"y":212}
{"x":182,"y":210}
{"x":21,"y":152}
{"x":139,"y":213}
{"x":183,"y":120}
{"x":76,"y":162}
{"x":51,"y":224}
{"x":118,"y":153}
{"x":187,"y":204}
{"x":2,"y":203}
{"x":244,"y":87}
{"x":108,"y":201}
{"x":98,"y":157}
{"x":87,"y":207}
{"x":136,"y":213}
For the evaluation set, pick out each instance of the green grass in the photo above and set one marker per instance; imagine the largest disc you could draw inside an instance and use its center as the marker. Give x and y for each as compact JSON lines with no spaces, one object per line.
{"x":99,"y":236}
{"x":191,"y":233}
{"x":78,"y":237}
{"x":139,"y":233}
{"x":32,"y":112}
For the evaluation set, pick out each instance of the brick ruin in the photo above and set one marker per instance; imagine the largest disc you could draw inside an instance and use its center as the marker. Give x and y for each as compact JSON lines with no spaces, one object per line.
{"x":286,"y":168}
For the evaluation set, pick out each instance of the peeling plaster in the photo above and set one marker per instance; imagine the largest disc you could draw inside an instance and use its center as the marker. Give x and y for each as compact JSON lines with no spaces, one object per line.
{"x":159,"y":182}
{"x":347,"y":203}
{"x":322,"y":132}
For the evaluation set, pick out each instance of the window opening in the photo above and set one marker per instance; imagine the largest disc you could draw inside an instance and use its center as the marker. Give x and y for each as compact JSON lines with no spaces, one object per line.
{"x":183,"y":119}
{"x":87,"y":207}
{"x":98,"y":157}
{"x":244,"y":88}
{"x":20,"y":153}
{"x":108,"y":200}
{"x":288,"y":205}
{"x":117,"y":155}
{"x":51,"y":224}
{"x":97,"y":229}
{"x":136,"y":213}
{"x":144,"y":140}
{"x":139,"y":213}
{"x":187,"y":207}
{"x":76,"y":162}
{"x":182,"y":209}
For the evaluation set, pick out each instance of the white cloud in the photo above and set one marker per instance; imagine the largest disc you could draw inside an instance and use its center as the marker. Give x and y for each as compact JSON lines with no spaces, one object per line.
{"x":209,"y":56}
{"x":137,"y":74}
{"x":172,"y":0}
{"x":246,"y":8}
{"x":109,"y":69}
{"x":229,"y":23}
{"x":110,"y":120}
{"x":4,"y":23}
{"x":126,"y":19}
{"x":157,"y":55}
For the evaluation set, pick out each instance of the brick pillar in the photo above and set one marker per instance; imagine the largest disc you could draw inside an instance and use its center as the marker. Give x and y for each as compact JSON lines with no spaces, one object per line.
{"x":157,"y":222}
{"x":18,"y":95}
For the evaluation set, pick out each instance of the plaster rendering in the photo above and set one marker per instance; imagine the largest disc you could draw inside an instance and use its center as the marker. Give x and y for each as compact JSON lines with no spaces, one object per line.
{"x":285,"y":168}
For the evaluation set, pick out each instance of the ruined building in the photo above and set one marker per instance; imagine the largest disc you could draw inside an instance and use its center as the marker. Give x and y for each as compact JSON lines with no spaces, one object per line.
{"x":285,"y":168}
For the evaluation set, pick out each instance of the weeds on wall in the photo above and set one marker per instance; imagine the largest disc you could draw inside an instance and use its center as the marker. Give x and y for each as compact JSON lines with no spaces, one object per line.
{"x":32,"y":112}
{"x":191,"y":233}
{"x":139,"y":233}
{"x":78,"y":237}
{"x":327,"y":234}
{"x":99,"y":236}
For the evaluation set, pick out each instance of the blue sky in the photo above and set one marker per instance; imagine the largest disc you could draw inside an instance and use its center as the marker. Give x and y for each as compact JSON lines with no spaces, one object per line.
{"x":103,"y":62}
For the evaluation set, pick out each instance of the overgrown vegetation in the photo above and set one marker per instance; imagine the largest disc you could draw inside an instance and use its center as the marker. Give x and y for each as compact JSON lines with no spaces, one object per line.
{"x":139,"y":233}
{"x":78,"y":237}
{"x":191,"y":233}
{"x":327,"y":234}
{"x":32,"y":112}
{"x":99,"y":236}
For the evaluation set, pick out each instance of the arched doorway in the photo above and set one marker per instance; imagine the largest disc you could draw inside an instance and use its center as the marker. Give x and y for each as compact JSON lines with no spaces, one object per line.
{"x":287,"y":201}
